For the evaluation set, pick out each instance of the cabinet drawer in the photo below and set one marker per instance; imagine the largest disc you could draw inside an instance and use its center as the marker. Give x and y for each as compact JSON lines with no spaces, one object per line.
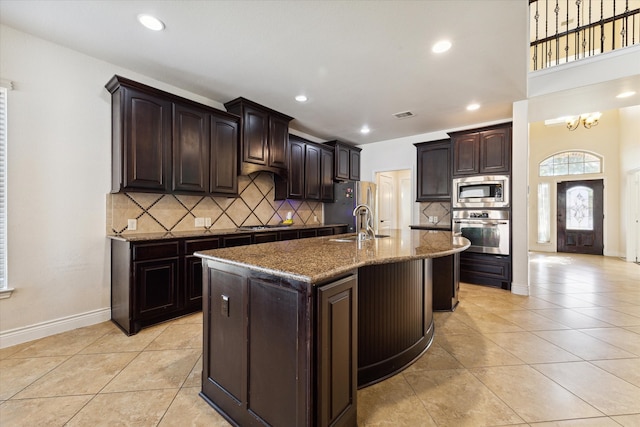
{"x":155,"y":250}
{"x":236,"y":240}
{"x":308,"y":233}
{"x":191,"y":246}
{"x":288,"y":235}
{"x":325,"y":231}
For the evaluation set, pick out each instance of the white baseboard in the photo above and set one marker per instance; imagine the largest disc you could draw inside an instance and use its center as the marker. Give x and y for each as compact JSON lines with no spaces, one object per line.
{"x":519,"y":289}
{"x":52,"y":327}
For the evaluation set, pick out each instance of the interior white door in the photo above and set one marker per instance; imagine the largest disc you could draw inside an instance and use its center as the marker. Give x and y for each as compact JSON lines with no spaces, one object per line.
{"x":386,"y":204}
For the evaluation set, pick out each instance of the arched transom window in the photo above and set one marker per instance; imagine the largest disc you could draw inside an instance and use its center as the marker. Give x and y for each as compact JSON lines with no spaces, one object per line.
{"x":571,"y":163}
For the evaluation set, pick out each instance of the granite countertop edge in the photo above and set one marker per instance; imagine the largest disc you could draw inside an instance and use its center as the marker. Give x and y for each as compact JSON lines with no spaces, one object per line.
{"x":265,"y":258}
{"x":139,"y":237}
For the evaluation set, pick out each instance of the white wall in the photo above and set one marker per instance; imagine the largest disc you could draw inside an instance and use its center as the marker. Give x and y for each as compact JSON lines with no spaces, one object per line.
{"x":59,"y":172}
{"x":629,"y":166}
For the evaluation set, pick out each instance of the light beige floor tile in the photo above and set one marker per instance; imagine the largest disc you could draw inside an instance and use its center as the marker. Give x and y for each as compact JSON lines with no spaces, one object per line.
{"x":622,"y":338}
{"x":456,"y":398}
{"x":628,"y":420}
{"x":533,"y":396}
{"x":633,"y":310}
{"x":139,"y":408}
{"x":529,"y":320}
{"x":64,"y":344}
{"x":434,"y":358}
{"x":446,"y":325}
{"x":189,"y":409}
{"x":178,"y":336}
{"x":195,"y":318}
{"x":120,"y":341}
{"x":610,"y":316}
{"x":195,"y":376}
{"x":391,"y":403}
{"x":635,"y":329}
{"x":583,"y":422}
{"x":80,"y":374}
{"x":51,"y":411}
{"x":626,"y":369}
{"x":7,"y":352}
{"x":155,"y":370}
{"x":485,"y":322}
{"x":16,"y":374}
{"x":588,"y":382}
{"x":531,"y":348}
{"x":476,"y":350}
{"x":572,"y":319}
{"x":583,"y":345}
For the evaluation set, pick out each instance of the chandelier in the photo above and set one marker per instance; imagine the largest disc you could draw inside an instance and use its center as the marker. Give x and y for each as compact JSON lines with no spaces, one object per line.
{"x":588,"y":120}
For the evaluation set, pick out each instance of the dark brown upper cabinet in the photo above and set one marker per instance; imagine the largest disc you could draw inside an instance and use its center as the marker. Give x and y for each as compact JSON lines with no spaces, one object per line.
{"x":434,"y":171}
{"x":264,"y":137}
{"x":141,"y":145}
{"x":310,"y":172}
{"x":482,"y":151}
{"x":346,"y":161}
{"x":168,"y":144}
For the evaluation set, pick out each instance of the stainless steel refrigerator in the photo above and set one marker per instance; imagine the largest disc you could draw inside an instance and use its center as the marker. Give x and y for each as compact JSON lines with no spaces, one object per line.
{"x":347,"y":195}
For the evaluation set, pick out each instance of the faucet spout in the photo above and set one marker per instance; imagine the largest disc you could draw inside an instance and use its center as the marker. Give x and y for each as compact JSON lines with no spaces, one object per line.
{"x":365,"y":224}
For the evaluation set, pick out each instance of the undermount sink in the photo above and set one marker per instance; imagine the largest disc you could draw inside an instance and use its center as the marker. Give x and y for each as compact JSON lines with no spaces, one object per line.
{"x":354,"y":238}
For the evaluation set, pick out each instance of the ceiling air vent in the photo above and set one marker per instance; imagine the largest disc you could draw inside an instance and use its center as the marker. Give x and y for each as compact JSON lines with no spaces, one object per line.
{"x":403,"y":115}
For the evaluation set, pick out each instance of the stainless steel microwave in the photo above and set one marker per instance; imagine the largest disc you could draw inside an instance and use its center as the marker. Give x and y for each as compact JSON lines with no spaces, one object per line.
{"x":487,"y":191}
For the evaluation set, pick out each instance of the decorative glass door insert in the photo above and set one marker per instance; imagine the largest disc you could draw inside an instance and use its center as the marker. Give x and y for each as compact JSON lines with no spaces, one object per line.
{"x":579,"y":208}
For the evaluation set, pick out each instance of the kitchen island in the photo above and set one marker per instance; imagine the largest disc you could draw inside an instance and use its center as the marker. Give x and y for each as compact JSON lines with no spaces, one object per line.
{"x":291,"y":329}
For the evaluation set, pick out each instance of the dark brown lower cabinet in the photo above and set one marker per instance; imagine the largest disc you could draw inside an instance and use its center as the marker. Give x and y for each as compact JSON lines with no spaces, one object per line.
{"x":486,"y":269}
{"x":279,"y":352}
{"x":446,"y":282}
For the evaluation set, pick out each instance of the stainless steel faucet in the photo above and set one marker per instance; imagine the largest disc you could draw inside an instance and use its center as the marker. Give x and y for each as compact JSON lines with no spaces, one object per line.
{"x":365,"y":222}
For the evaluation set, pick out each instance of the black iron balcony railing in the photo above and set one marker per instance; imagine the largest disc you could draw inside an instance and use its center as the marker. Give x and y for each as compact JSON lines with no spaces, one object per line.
{"x":568,"y":30}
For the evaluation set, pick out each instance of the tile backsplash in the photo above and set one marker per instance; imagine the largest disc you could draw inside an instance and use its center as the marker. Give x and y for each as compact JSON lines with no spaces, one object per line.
{"x":442,"y":210}
{"x":167,"y":212}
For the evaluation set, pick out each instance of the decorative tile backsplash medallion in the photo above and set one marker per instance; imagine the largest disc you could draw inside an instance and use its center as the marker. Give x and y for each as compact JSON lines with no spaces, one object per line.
{"x":167,"y":212}
{"x":442,"y":210}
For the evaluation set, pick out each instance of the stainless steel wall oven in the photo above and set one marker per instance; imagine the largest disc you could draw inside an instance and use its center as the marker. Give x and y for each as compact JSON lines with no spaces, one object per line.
{"x":487,"y":230}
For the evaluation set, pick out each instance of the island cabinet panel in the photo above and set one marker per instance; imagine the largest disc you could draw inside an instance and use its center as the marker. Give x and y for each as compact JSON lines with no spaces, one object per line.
{"x":265,"y":341}
{"x":338,"y":352}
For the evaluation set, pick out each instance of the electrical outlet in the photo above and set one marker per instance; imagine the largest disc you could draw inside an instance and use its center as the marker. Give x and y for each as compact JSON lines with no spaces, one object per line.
{"x":199,"y":222}
{"x":132,"y":224}
{"x":207,"y":222}
{"x":434,"y":219}
{"x":315,"y":218}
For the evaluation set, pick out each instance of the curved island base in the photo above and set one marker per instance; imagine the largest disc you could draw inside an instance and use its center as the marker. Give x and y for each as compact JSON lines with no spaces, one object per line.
{"x":395,"y":318}
{"x":293,"y":328}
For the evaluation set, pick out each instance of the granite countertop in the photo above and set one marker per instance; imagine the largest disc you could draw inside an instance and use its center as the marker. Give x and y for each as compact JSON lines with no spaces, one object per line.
{"x":139,"y":237}
{"x":316,"y":259}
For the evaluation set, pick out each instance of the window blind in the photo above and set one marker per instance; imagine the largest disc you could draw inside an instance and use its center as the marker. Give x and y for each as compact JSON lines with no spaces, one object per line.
{"x":3,"y":187}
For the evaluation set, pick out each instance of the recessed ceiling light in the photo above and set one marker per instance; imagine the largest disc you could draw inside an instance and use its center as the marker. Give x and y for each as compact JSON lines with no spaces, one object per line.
{"x":151,"y":22}
{"x":626,"y":94}
{"x":441,"y":46}
{"x":301,"y":98}
{"x":473,"y":107}
{"x":365,"y":129}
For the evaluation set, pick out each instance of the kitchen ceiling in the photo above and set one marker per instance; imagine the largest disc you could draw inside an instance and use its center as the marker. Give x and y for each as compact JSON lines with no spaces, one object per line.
{"x":358,"y":62}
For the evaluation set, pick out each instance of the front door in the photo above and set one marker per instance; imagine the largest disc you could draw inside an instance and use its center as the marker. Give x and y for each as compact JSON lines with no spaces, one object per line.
{"x":580,"y":217}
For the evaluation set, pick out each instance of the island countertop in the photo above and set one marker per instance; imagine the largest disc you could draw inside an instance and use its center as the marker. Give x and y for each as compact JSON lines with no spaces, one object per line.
{"x":314,"y":260}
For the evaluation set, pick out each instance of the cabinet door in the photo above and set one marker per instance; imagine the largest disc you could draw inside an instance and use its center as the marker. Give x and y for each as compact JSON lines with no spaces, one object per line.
{"x":354,"y":164}
{"x":193,"y":270}
{"x":256,"y":130}
{"x":190,"y":149}
{"x":312,"y":172}
{"x":295,"y":182}
{"x":337,"y":347}
{"x":278,"y":142}
{"x":342,"y":159}
{"x":224,"y":154}
{"x":156,"y":287}
{"x":326,"y":175}
{"x":466,"y":154}
{"x":495,"y":151}
{"x":147,"y":142}
{"x":434,"y":171}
